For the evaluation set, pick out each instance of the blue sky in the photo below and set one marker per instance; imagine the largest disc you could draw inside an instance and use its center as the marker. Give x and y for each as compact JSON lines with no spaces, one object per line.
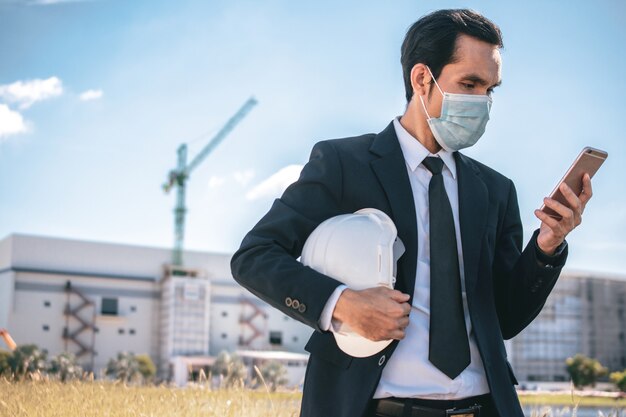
{"x":95,"y":97}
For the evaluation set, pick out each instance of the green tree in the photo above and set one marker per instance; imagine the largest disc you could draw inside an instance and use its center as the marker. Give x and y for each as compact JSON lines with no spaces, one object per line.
{"x":5,"y":368}
{"x":619,"y":379}
{"x":584,"y":371}
{"x":27,"y":359}
{"x":274,"y":374}
{"x":125,"y":367}
{"x":146,"y":367}
{"x":65,"y":367}
{"x":230,"y":368}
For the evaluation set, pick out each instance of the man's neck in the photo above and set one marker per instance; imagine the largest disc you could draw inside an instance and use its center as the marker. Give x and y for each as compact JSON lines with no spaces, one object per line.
{"x":418,"y":127}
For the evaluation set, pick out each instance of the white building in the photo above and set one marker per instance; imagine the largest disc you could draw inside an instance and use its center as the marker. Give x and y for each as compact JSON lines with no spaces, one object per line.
{"x":585,"y":313}
{"x":96,"y":299}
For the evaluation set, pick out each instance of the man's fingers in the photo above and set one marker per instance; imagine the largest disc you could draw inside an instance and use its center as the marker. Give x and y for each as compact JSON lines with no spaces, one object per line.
{"x":399,"y":336}
{"x":399,"y":296}
{"x":551,"y":222}
{"x":587,"y":192}
{"x":406,"y":307}
{"x":564,"y":211}
{"x":572,"y":198}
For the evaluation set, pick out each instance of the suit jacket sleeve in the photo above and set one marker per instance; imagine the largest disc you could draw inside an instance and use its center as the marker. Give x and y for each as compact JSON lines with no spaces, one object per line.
{"x":522,"y":281}
{"x":266,"y":263}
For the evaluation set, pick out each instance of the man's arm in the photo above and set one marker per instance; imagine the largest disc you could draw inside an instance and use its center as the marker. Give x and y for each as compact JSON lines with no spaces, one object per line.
{"x":266,"y":263}
{"x":523,"y":281}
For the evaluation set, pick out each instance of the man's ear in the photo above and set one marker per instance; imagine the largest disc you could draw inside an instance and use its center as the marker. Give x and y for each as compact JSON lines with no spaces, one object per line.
{"x":420,"y":79}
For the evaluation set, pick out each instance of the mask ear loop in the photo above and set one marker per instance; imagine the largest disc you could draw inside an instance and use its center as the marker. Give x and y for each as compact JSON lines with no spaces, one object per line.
{"x":436,"y":83}
{"x":439,"y":88}
{"x":424,"y":106}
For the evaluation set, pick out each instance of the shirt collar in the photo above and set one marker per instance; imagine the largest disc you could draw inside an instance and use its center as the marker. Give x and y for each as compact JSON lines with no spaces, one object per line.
{"x":414,"y":152}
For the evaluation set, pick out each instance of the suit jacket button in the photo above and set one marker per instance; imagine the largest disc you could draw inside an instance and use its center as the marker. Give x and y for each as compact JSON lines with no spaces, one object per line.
{"x":288,"y":301}
{"x":295,"y":304}
{"x":302,"y":308}
{"x":381,"y":360}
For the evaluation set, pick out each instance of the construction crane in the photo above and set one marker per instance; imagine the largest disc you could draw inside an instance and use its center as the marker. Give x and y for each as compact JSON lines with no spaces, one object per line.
{"x":179,"y":176}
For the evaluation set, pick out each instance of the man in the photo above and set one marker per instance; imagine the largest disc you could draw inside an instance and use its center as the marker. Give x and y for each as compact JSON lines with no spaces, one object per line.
{"x":464,"y":283}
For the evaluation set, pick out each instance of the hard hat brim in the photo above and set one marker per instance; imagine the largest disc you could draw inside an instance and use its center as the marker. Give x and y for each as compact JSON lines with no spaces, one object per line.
{"x":359,"y":346}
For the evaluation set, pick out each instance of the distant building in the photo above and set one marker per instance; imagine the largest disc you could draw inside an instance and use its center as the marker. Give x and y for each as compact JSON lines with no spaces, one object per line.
{"x":95,"y":299}
{"x":585,"y":313}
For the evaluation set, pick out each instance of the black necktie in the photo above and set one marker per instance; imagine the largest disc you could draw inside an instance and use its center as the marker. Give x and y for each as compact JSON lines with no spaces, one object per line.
{"x":449,"y":345}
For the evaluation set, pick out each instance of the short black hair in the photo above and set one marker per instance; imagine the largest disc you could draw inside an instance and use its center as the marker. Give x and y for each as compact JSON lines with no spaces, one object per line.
{"x":432,"y":40}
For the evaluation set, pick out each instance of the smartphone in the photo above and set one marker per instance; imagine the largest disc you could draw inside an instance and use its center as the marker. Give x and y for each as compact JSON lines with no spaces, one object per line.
{"x":588,"y":162}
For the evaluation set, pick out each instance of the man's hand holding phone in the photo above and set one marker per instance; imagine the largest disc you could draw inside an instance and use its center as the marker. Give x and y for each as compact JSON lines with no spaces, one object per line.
{"x":562,"y":212}
{"x":553,"y":231}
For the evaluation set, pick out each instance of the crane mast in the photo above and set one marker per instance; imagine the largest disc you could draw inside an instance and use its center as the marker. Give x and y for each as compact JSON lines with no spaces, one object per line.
{"x":178,"y":177}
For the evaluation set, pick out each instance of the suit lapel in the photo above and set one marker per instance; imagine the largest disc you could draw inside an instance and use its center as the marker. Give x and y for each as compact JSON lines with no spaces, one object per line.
{"x":473,"y":210}
{"x":391,"y":171}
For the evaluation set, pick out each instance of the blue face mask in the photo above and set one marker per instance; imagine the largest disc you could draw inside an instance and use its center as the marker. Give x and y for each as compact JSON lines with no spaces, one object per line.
{"x":463,"y":119}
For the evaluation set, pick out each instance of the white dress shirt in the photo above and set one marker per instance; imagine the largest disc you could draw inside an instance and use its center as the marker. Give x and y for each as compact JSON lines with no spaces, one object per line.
{"x":408,"y":372}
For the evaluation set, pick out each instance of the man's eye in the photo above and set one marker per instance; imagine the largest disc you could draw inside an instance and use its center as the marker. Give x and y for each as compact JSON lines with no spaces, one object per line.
{"x":468,"y":85}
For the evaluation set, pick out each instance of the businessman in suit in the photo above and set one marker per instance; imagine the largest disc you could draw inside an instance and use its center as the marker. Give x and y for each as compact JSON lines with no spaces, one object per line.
{"x":464,"y":283}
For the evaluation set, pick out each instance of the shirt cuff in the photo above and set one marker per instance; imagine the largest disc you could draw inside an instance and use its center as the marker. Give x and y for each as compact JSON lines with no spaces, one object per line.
{"x":326,"y":319}
{"x":550,"y":260}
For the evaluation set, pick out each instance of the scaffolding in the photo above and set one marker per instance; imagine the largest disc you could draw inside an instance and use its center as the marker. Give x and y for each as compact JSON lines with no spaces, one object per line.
{"x":184,"y":315}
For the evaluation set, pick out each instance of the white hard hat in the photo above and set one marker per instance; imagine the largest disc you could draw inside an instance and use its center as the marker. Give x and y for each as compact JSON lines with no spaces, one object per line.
{"x":361,"y":251}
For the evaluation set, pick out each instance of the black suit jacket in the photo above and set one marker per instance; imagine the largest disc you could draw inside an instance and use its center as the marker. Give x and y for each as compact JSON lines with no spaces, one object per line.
{"x":506,"y":286}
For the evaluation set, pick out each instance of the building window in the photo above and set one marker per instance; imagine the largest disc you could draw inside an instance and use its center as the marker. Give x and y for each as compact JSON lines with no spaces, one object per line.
{"x":109,"y":307}
{"x":120,"y":331}
{"x":276,"y":338}
{"x":224,"y":313}
{"x":295,"y":339}
{"x":131,"y":331}
{"x":46,"y":327}
{"x":46,"y":303}
{"x":133,"y":308}
{"x":224,"y":335}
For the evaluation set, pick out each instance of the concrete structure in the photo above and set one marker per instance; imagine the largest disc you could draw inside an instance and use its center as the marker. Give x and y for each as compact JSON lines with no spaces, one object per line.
{"x":96,"y":299}
{"x":585,"y":313}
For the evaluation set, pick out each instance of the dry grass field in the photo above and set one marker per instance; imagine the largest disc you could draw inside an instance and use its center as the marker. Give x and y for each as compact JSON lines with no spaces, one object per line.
{"x":47,"y":398}
{"x":107,"y":399}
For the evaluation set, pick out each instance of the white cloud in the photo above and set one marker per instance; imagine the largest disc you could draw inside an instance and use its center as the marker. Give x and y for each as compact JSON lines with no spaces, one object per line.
{"x":215,"y":182}
{"x":11,"y":122}
{"x":275,"y":184}
{"x":26,"y":93}
{"x":244,"y":177}
{"x":91,"y":95}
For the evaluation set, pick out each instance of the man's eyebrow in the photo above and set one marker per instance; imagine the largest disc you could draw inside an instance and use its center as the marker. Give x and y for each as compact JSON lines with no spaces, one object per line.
{"x":478,"y":80}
